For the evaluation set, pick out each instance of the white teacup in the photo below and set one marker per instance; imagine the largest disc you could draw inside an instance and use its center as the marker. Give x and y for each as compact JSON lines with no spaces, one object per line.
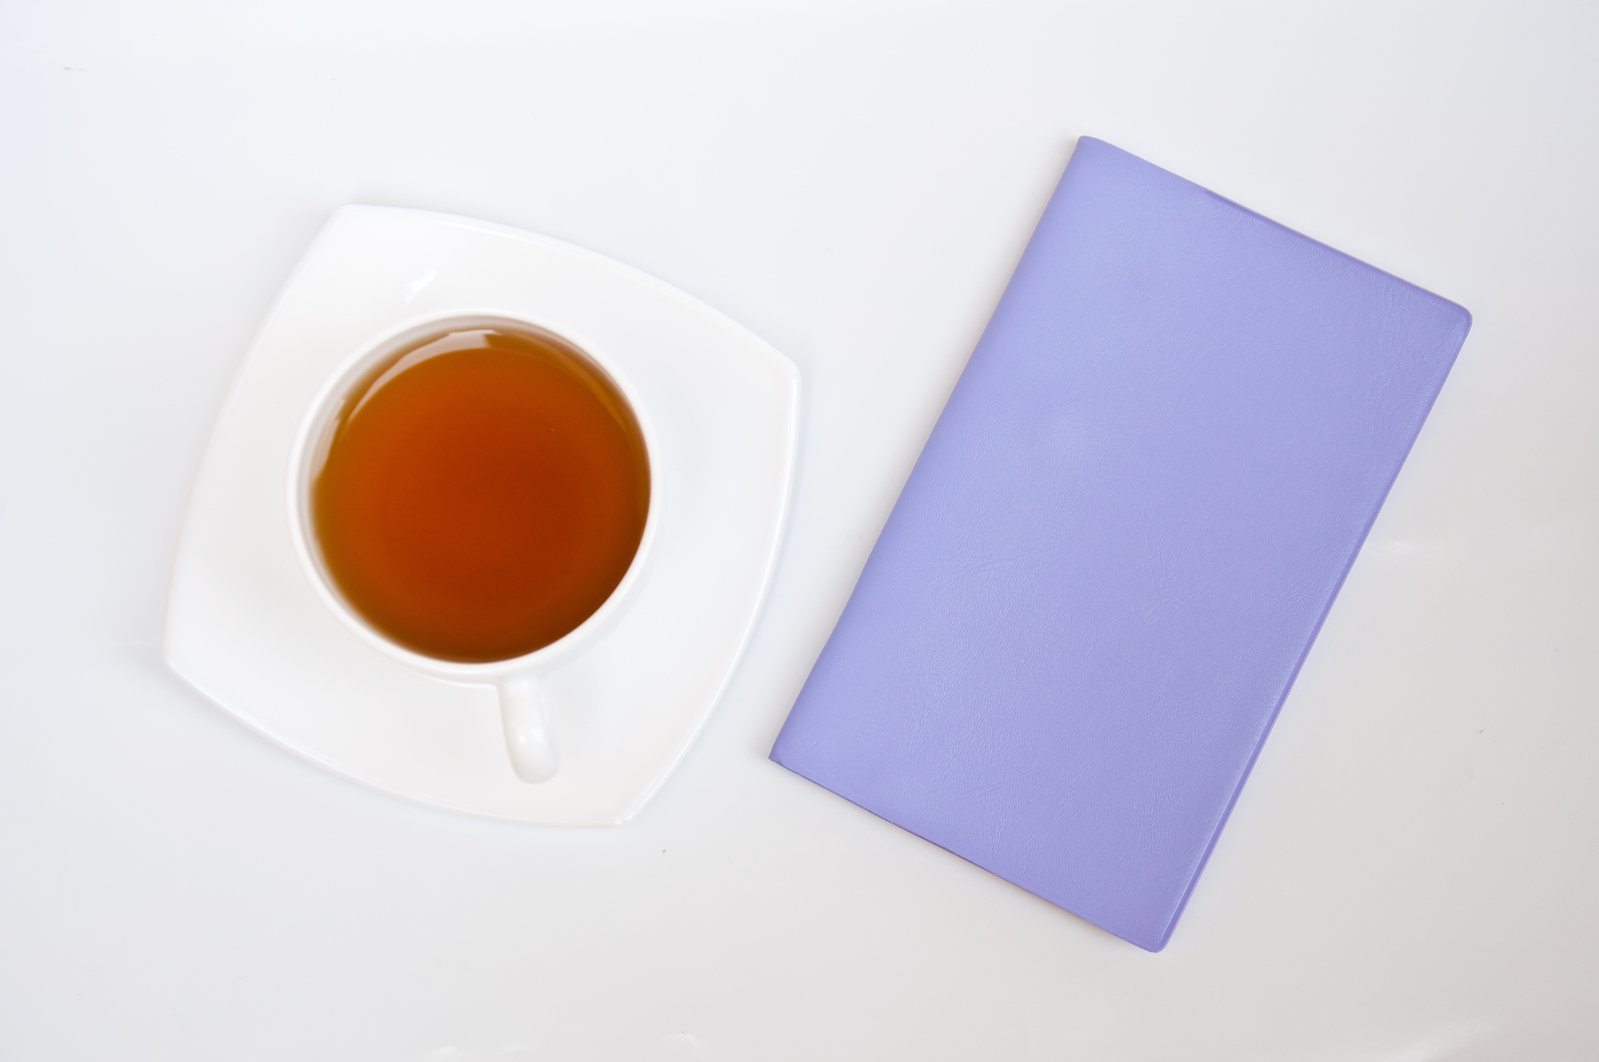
{"x":530,"y":731}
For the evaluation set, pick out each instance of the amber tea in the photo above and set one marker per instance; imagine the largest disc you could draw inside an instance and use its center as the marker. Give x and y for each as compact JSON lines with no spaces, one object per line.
{"x":481,"y":493}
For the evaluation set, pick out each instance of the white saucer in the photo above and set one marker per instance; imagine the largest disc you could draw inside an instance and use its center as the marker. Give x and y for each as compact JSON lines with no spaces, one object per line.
{"x":246,"y":627}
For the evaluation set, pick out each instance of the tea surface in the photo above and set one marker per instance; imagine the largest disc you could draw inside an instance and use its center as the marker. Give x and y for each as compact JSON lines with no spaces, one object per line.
{"x":481,"y":494}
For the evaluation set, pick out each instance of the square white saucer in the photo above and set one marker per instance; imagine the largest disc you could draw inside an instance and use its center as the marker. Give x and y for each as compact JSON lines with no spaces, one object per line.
{"x":246,"y":627}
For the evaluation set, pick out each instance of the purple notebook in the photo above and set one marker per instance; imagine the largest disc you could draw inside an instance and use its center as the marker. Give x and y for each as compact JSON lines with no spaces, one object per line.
{"x":1113,"y":554}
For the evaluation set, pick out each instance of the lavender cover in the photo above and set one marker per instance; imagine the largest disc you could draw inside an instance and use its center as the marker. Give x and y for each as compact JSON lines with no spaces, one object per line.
{"x":1121,"y":538}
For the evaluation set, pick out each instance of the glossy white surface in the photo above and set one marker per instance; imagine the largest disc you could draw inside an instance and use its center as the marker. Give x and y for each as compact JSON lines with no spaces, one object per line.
{"x":252,"y":625}
{"x":1410,"y":872}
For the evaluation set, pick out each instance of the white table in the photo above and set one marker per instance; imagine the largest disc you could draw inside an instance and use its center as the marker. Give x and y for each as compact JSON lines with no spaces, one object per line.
{"x":1410,"y":873}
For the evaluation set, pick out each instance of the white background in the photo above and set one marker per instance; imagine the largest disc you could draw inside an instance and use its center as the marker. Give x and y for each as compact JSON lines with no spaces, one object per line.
{"x":1410,"y":873}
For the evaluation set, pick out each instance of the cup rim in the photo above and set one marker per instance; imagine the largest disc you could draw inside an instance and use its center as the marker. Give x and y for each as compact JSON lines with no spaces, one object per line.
{"x":333,"y":389}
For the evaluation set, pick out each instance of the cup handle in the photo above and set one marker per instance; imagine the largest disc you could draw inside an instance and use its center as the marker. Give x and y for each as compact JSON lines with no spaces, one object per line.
{"x":529,"y":735}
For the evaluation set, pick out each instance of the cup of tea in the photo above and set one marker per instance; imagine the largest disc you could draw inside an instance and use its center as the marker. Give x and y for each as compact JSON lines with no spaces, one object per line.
{"x":473,"y":497}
